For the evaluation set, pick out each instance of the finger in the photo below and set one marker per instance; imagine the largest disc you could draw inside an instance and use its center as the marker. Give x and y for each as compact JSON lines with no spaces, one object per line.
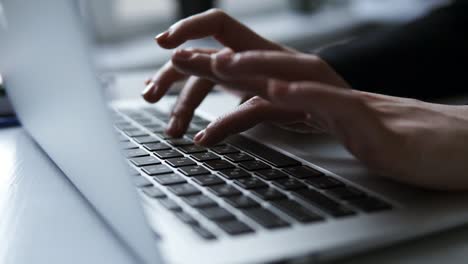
{"x":218,"y":24}
{"x":247,"y":115}
{"x":162,"y":81}
{"x":193,"y":63}
{"x":193,"y":93}
{"x":274,"y":64}
{"x":198,"y":64}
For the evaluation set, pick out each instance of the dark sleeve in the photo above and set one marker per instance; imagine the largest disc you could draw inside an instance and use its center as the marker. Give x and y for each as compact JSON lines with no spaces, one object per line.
{"x":424,"y":59}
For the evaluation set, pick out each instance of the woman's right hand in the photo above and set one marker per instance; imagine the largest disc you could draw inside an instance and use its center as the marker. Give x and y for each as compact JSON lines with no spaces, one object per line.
{"x":256,"y":52}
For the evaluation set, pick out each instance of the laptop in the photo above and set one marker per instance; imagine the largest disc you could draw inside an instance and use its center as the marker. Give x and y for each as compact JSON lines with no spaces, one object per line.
{"x":262,"y":196}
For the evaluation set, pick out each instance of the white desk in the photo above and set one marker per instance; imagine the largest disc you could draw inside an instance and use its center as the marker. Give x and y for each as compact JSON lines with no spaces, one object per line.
{"x":43,"y":218}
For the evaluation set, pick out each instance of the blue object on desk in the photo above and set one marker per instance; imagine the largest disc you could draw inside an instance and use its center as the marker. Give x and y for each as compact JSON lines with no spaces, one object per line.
{"x":8,"y":121}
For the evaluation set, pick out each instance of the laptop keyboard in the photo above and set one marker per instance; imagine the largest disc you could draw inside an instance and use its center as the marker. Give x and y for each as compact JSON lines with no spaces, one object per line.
{"x":235,"y":188}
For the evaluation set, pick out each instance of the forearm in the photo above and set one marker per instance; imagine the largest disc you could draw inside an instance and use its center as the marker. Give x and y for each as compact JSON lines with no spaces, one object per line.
{"x":423,"y":59}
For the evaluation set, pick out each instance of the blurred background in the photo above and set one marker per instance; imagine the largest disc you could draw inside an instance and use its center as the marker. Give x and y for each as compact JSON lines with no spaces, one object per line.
{"x":123,"y":30}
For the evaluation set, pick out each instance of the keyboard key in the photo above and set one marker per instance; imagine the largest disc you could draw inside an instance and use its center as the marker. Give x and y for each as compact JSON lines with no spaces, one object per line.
{"x":194,"y":170}
{"x":217,"y":214}
{"x":238,"y":157}
{"x":153,"y":192}
{"x":203,"y":232}
{"x":241,"y":201}
{"x":184,"y":189}
{"x":269,"y":194}
{"x":206,"y":180}
{"x":254,"y":165}
{"x":128,"y":145}
{"x":155,"y":112}
{"x":167,"y":154}
{"x":250,"y":183}
{"x":205,"y":156}
{"x":265,"y":218}
{"x":123,"y":125}
{"x":151,"y":125}
{"x":146,"y":139}
{"x":235,"y":173}
{"x":157,"y":129}
{"x":200,"y":201}
{"x":141,"y":181}
{"x":303,"y":172}
{"x":180,"y":142}
{"x":136,"y":133}
{"x":346,"y":193}
{"x":196,"y":119}
{"x":156,"y":169}
{"x":263,"y":152}
{"x":371,"y":204}
{"x":325,"y":182}
{"x":235,"y":227}
{"x":144,"y":121}
{"x":143,"y":161}
{"x":224,"y":149}
{"x":192,"y":149}
{"x":322,"y":202}
{"x":271,"y":174}
{"x":289,"y":184}
{"x":224,"y":190}
{"x":164,"y":135}
{"x":203,"y":123}
{"x":169,"y":179}
{"x":129,"y":128}
{"x":180,"y":162}
{"x":296,"y":211}
{"x":186,"y":218}
{"x":170,"y":204}
{"x":133,"y":153}
{"x":218,"y":164}
{"x":156,"y":146}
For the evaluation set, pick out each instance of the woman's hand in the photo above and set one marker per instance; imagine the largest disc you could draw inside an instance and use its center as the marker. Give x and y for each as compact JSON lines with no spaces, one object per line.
{"x":407,"y":140}
{"x":286,"y":64}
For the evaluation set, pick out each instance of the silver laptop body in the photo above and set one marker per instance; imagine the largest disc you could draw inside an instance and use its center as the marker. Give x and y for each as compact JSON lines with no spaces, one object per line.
{"x":46,"y":62}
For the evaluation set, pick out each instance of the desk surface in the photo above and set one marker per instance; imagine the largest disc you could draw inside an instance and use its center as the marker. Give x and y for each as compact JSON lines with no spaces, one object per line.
{"x":44,"y":219}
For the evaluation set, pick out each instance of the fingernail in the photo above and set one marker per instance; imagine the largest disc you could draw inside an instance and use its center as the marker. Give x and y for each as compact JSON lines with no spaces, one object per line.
{"x":199,"y":136}
{"x":148,"y":88}
{"x":162,"y":36}
{"x":182,"y":54}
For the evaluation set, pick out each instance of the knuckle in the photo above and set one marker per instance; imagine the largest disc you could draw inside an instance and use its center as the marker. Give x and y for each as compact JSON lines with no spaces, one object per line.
{"x":217,"y":12}
{"x":255,"y":102}
{"x":250,"y":55}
